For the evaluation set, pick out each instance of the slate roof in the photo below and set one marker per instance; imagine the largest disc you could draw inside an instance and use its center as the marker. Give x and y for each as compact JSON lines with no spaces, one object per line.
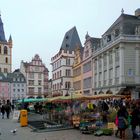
{"x":94,"y":41}
{"x":16,"y":75}
{"x":2,"y":34}
{"x":124,"y":18}
{"x":3,"y":78}
{"x":71,"y":40}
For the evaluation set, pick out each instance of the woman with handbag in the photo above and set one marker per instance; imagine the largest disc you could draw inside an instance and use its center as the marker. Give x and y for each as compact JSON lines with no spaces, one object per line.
{"x":122,"y":121}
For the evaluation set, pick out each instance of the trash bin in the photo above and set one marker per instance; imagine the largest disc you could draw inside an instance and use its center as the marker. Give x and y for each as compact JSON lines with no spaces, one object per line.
{"x":23,"y":118}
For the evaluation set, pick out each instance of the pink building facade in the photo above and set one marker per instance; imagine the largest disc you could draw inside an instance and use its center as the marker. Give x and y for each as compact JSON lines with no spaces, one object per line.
{"x":4,"y":88}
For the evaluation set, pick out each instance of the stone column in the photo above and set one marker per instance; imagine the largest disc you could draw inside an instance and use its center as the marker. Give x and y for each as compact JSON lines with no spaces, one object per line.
{"x":107,"y":79}
{"x":102,"y":65}
{"x":121,"y":61}
{"x":137,"y":69}
{"x":97,"y":71}
{"x":113,"y":57}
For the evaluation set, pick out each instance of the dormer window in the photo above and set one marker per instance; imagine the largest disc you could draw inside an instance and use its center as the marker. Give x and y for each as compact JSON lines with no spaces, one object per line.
{"x":67,"y":45}
{"x":67,"y":37}
{"x":108,"y":38}
{"x":117,"y":32}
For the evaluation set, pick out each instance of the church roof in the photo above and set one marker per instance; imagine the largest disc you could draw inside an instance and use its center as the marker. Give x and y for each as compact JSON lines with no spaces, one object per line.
{"x":71,"y":40}
{"x":2,"y":34}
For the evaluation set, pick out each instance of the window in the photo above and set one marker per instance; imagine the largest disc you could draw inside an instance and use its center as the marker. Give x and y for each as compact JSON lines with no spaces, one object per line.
{"x":117,"y":32}
{"x":36,"y":68}
{"x":77,"y":85}
{"x":31,"y":82}
{"x":68,"y":61}
{"x":6,"y":60}
{"x":87,"y":67}
{"x":5,"y":70}
{"x":67,"y":85}
{"x":77,"y":72}
{"x":18,"y":90}
{"x":31,"y":89}
{"x":105,"y":75}
{"x":39,"y":90}
{"x":22,"y":79}
{"x":31,"y":75}
{"x":68,"y":72}
{"x":0,"y":49}
{"x":87,"y":83}
{"x":39,"y":82}
{"x":108,"y":38}
{"x":60,"y":73}
{"x":14,"y":90}
{"x":22,"y":90}
{"x":67,"y":45}
{"x":117,"y":72}
{"x":5,"y":50}
{"x":86,"y":53}
{"x":0,"y":69}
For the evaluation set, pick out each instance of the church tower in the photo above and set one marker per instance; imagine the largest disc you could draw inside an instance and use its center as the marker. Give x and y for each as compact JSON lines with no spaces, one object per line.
{"x":5,"y":51}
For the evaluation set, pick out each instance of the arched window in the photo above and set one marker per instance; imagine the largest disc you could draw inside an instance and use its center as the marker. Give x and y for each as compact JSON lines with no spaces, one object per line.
{"x":5,"y":50}
{"x":6,"y":60}
{"x":0,"y":49}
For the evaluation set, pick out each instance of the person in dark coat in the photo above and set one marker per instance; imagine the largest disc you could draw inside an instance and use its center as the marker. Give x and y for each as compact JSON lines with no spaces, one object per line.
{"x":3,"y":110}
{"x":8,"y":110}
{"x":122,"y":116}
{"x":135,"y":120}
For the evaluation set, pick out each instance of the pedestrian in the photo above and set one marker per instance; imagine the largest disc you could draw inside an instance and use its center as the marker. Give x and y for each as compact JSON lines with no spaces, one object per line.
{"x":122,"y":121}
{"x":135,"y":120}
{"x":3,"y":110}
{"x":8,"y":109}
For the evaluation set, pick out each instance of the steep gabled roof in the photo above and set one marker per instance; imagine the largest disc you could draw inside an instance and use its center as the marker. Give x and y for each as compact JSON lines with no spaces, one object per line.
{"x":71,"y":40}
{"x":2,"y":34}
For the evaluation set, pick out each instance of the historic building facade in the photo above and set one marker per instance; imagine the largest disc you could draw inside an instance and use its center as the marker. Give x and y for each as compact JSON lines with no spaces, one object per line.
{"x":62,"y":73}
{"x":87,"y":68}
{"x":5,"y":90}
{"x":36,"y":75}
{"x":17,"y":85}
{"x":77,"y":71}
{"x":116,"y":62}
{"x":5,"y":51}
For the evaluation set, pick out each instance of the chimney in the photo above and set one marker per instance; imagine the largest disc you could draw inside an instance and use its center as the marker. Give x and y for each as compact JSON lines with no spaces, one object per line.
{"x":137,"y":12}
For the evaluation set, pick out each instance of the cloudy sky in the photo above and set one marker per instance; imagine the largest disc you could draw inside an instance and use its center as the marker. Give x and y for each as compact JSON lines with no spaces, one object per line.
{"x":38,"y":26}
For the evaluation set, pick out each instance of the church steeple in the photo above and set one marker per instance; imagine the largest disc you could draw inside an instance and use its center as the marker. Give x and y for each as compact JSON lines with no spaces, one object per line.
{"x":2,"y":34}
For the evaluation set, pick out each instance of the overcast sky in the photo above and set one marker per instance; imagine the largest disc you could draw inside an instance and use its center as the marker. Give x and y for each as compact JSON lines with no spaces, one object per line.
{"x":38,"y":26}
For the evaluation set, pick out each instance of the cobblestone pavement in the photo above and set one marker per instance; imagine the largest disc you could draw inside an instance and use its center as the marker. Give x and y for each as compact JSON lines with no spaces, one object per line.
{"x":25,"y":133}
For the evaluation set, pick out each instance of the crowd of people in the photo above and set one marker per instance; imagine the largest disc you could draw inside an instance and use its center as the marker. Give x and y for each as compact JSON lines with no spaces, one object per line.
{"x":127,"y":115}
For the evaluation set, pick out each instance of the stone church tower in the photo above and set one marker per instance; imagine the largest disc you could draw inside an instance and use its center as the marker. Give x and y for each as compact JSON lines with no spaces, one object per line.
{"x":5,"y":51}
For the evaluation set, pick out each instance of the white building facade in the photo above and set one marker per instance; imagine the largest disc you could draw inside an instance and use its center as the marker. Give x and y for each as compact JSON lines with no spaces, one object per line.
{"x":116,"y":62}
{"x":62,"y":62}
{"x":36,"y":75}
